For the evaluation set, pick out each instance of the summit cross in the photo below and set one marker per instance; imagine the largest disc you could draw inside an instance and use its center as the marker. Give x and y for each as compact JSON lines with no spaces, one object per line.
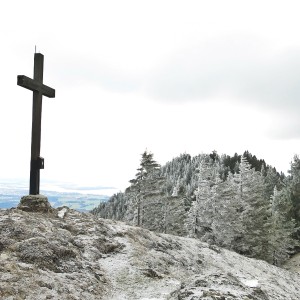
{"x":39,"y":90}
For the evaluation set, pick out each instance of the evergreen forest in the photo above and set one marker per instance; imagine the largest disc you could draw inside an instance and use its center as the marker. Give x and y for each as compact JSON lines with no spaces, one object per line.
{"x":239,"y":202}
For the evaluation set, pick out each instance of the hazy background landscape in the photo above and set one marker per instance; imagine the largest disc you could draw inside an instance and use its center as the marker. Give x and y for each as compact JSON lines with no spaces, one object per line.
{"x":82,"y":198}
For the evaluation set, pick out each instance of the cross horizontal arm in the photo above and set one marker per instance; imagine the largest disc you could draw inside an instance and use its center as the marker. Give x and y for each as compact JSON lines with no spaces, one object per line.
{"x":34,"y":85}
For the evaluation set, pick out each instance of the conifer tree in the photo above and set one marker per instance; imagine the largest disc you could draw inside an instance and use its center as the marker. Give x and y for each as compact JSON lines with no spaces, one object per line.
{"x":147,"y":173}
{"x":254,"y":211}
{"x":227,"y":225}
{"x":293,"y":184}
{"x":201,"y":197}
{"x":203,"y":210}
{"x":282,"y":229}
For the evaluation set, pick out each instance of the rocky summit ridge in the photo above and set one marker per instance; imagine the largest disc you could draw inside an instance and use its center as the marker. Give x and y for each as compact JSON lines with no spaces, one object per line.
{"x":64,"y":254}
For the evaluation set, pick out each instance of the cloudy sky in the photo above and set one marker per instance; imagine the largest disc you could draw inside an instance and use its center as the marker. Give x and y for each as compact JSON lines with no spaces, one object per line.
{"x":167,"y":76}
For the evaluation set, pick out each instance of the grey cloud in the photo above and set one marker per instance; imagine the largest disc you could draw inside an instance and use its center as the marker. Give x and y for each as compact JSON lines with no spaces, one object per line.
{"x":238,"y":67}
{"x":275,"y":84}
{"x":243,"y":68}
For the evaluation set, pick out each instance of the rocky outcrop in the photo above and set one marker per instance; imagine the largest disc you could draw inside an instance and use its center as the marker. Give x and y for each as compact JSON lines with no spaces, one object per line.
{"x":35,"y":203}
{"x":69,"y":255}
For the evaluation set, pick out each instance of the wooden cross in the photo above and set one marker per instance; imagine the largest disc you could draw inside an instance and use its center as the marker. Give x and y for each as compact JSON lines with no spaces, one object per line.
{"x":39,"y":89}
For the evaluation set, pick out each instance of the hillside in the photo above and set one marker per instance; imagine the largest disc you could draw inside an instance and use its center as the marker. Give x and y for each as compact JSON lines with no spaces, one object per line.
{"x":70,"y":255}
{"x":227,"y":201}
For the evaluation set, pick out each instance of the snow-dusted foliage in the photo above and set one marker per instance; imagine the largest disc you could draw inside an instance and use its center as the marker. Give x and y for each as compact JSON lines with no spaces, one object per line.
{"x":147,"y":182}
{"x":203,"y":209}
{"x":254,"y":208}
{"x":148,"y":202}
{"x":227,"y":222}
{"x":117,"y":208}
{"x":236,"y":214}
{"x":293,"y":188}
{"x":218,"y":199}
{"x":282,"y":227}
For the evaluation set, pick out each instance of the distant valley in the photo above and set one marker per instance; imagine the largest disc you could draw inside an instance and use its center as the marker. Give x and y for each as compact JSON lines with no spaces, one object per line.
{"x":81,"y":198}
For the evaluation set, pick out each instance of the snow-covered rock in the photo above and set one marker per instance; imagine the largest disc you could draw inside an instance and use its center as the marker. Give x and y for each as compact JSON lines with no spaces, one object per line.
{"x":69,"y":255}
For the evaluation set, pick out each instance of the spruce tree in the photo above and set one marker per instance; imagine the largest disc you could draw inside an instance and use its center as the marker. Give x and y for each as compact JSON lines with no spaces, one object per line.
{"x":227,"y":225}
{"x":282,"y":229}
{"x":141,"y":185}
{"x":254,"y":211}
{"x":203,"y":210}
{"x":293,"y":184}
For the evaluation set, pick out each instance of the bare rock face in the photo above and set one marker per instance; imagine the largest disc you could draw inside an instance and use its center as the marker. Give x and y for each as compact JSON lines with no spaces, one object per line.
{"x":35,"y":203}
{"x":70,"y":255}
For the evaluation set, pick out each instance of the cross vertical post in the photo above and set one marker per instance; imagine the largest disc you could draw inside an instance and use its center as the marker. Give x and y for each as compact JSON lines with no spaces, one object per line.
{"x":36,"y":127}
{"x":39,"y":89}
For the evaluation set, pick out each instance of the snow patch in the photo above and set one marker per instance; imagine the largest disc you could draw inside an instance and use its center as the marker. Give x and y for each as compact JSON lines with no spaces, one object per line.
{"x":253,"y":283}
{"x":62,"y":213}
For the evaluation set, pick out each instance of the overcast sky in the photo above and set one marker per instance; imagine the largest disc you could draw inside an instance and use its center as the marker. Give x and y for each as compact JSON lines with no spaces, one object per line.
{"x":167,"y":76}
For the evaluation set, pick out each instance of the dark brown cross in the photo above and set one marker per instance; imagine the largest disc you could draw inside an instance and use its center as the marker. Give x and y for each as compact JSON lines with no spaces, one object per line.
{"x":39,"y":89}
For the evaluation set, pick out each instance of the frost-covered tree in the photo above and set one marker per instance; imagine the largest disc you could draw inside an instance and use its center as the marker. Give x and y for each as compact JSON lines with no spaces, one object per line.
{"x":227,"y":225}
{"x":144,"y":182}
{"x":176,"y":188}
{"x":203,"y":209}
{"x":219,"y":199}
{"x":282,"y":228}
{"x":293,"y":185}
{"x":115,"y":208}
{"x":180,"y":174}
{"x":254,"y":210}
{"x":271,"y":180}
